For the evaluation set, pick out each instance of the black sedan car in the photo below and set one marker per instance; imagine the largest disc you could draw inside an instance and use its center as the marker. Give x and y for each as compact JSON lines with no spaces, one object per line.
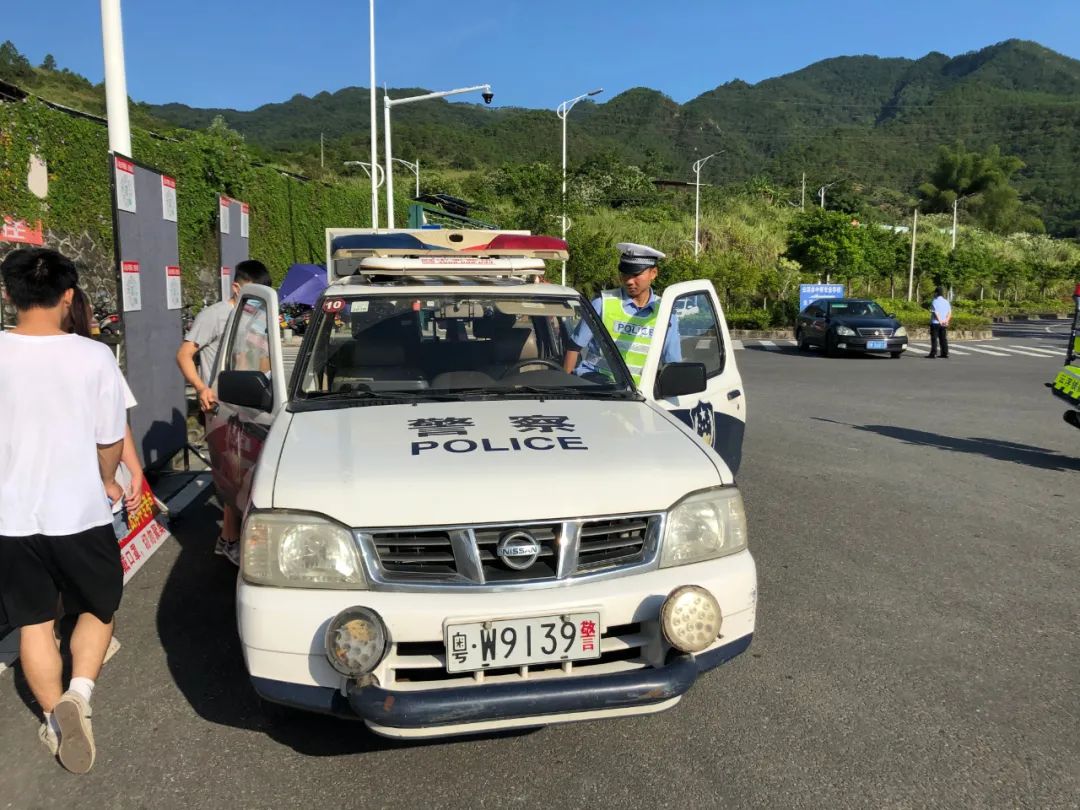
{"x":849,"y":325}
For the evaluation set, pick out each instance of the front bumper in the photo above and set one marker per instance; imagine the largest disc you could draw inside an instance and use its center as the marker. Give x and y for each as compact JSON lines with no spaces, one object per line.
{"x":859,"y":344}
{"x":412,"y":695}
{"x":444,"y":712}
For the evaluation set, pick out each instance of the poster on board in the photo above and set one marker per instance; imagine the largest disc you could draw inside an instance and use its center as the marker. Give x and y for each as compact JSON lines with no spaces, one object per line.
{"x":173,"y":298}
{"x":226,"y":283}
{"x":244,"y":211}
{"x":223,"y":214}
{"x":125,"y":185}
{"x":132,"y":286}
{"x":168,"y":198}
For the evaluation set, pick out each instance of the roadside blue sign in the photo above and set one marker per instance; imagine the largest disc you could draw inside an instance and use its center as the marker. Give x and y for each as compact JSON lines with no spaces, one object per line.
{"x":812,"y":292}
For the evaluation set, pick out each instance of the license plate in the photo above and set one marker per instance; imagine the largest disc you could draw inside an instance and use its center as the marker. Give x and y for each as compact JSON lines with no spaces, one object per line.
{"x":516,"y":642}
{"x":876,"y":344}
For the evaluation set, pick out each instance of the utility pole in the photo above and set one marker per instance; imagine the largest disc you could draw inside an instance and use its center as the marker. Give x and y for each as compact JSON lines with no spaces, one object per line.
{"x":374,"y":132}
{"x":322,"y":152}
{"x":911,"y":269}
{"x":802,"y":200}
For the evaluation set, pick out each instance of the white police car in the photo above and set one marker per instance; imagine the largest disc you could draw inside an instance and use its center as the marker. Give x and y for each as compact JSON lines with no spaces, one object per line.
{"x":444,"y":531}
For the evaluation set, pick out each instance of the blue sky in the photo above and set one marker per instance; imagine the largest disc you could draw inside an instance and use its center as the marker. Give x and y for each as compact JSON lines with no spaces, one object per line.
{"x":535,"y":53}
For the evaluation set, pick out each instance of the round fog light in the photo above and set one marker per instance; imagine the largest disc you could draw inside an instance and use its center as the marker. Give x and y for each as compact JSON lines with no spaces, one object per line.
{"x":690,"y":618}
{"x":356,"y":641}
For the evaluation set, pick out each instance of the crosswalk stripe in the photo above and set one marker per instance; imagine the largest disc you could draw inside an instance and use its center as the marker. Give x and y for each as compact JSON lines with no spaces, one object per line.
{"x":768,"y":344}
{"x":1048,"y":352}
{"x":1020,"y":351}
{"x":954,"y":350}
{"x":984,"y":350}
{"x":918,"y":346}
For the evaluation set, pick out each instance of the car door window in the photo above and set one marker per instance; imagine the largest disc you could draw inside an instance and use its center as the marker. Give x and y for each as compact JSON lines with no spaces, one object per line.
{"x":694,"y":335}
{"x":250,"y":348}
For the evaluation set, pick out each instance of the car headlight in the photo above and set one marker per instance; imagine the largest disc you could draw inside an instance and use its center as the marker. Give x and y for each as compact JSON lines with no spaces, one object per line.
{"x":845,"y":330}
{"x":900,"y":332}
{"x":704,"y":526}
{"x":298,"y":550}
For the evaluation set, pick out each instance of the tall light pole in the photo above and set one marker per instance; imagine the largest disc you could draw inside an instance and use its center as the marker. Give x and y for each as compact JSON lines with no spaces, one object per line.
{"x":413,"y":167}
{"x":911,"y":268}
{"x":388,"y":102}
{"x":563,"y":111}
{"x":697,"y":200}
{"x":116,"y":98}
{"x":374,"y":131}
{"x":821,"y":192}
{"x":955,"y":204}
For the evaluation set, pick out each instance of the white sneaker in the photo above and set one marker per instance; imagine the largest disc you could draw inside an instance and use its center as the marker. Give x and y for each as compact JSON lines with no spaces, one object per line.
{"x":231,"y":552}
{"x":76,"y":750}
{"x":49,"y":739}
{"x":219,"y":546}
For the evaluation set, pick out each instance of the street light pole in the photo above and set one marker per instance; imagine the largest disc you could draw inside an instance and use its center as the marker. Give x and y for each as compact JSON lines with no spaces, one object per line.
{"x":563,"y":111}
{"x":413,"y":167}
{"x":697,"y":201}
{"x":911,"y":268}
{"x":380,"y":175}
{"x":116,"y":98}
{"x":389,"y":158}
{"x":374,"y":131}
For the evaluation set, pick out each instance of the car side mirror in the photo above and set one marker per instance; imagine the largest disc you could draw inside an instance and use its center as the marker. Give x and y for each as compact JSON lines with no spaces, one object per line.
{"x":680,"y":379}
{"x":248,"y":389}
{"x":890,"y":315}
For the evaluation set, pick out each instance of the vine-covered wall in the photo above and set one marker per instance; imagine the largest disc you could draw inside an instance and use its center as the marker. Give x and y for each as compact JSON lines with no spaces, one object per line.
{"x":288,"y":215}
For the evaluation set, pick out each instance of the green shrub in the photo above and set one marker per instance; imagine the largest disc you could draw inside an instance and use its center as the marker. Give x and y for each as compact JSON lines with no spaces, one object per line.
{"x":758,"y":319}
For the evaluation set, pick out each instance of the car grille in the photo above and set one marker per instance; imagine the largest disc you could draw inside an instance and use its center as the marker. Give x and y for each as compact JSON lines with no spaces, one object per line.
{"x":883,"y":332}
{"x":469,"y":555}
{"x":422,"y":664}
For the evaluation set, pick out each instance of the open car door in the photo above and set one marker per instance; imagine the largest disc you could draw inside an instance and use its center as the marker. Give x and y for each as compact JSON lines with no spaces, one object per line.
{"x":250,"y":388}
{"x":691,"y":328}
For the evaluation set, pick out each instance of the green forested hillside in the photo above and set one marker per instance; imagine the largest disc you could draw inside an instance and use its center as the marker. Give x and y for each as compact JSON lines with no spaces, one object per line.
{"x":869,"y":121}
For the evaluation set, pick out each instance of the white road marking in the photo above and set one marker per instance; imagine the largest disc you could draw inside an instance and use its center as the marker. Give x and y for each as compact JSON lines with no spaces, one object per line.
{"x":984,"y":350}
{"x":1020,"y":351}
{"x":769,"y":345}
{"x":737,"y":345}
{"x":1045,"y":351}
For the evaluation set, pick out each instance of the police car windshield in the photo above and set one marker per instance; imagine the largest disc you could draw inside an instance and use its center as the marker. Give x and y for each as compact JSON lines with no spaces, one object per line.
{"x":385,"y":347}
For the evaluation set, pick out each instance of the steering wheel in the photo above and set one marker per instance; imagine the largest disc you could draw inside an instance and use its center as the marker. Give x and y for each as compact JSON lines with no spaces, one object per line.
{"x":536,"y":361}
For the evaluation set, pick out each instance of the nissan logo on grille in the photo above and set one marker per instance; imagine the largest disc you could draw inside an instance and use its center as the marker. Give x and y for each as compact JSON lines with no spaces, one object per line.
{"x":518,"y":550}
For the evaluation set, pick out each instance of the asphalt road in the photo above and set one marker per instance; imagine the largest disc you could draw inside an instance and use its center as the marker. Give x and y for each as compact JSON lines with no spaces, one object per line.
{"x":915,"y":527}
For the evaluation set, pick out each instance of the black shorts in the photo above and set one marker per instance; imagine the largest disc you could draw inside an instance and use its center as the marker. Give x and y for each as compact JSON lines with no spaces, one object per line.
{"x":85,"y":568}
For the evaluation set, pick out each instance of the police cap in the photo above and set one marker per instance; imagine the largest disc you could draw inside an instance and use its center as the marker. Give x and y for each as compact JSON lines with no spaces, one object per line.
{"x":635,"y":259}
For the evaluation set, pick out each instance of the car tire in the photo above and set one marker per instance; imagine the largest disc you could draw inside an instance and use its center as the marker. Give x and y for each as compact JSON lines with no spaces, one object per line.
{"x":896,"y":355}
{"x":800,"y":339}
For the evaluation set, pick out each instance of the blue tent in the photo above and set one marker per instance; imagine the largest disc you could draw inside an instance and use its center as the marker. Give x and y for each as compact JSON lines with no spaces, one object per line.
{"x":302,"y":284}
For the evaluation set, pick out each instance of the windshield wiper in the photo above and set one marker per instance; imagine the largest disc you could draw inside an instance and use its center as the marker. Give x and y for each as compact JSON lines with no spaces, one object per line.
{"x":364,"y":395}
{"x":553,"y":391}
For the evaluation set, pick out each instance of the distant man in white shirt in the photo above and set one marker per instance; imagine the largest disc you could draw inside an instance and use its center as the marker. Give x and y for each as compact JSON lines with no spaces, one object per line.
{"x":204,"y":340}
{"x":940,"y":317}
{"x":62,"y":400}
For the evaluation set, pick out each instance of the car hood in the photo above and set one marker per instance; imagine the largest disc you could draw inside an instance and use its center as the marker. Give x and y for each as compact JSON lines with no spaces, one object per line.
{"x":487,"y":462}
{"x":867,"y":323}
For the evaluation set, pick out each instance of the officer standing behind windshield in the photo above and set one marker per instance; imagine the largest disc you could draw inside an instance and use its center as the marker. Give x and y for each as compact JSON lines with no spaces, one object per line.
{"x":629,"y":314}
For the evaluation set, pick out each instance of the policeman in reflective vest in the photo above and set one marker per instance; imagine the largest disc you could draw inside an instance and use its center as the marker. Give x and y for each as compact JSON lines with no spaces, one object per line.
{"x":629,"y":314}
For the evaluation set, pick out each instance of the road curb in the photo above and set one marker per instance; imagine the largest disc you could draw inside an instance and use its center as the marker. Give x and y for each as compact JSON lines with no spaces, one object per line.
{"x":913,"y":334}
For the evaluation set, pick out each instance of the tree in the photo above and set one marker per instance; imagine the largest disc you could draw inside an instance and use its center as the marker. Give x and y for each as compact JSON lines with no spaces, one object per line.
{"x":827,"y":244}
{"x":984,"y":177}
{"x":14,"y":67}
{"x":49,"y":62}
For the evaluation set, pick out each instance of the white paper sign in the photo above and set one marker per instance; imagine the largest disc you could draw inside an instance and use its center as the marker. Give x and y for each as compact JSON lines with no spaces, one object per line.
{"x":125,"y":185}
{"x":226,"y":283}
{"x":132,"y":286}
{"x":172,"y":287}
{"x":244,"y":220}
{"x":168,"y":198}
{"x":223,"y":213}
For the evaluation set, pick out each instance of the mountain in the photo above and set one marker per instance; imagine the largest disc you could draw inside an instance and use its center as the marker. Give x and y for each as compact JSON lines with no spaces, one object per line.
{"x":871,"y":120}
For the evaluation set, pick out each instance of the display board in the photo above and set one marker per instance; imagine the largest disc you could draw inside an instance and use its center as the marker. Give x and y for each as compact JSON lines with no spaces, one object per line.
{"x":233,"y":220}
{"x":148,"y":280}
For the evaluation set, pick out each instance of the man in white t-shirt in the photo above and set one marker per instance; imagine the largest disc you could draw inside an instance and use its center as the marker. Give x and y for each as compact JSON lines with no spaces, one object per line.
{"x":203,"y":340}
{"x":62,"y":400}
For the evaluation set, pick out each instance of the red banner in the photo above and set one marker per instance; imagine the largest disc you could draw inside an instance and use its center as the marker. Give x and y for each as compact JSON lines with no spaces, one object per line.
{"x":19,"y":230}
{"x":145,"y":534}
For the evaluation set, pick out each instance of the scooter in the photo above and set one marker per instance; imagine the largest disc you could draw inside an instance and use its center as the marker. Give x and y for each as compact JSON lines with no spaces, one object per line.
{"x":108,"y":322}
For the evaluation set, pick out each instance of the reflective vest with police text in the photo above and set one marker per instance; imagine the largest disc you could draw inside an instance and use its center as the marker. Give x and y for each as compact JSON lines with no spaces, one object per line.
{"x":633,"y":334}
